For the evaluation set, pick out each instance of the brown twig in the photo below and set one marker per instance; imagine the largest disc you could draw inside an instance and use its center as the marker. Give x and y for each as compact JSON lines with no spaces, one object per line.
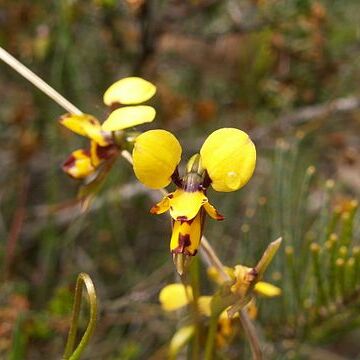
{"x":308,"y":113}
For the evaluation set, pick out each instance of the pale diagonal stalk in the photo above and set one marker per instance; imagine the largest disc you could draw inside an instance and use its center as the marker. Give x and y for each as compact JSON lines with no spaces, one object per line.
{"x":38,"y":82}
{"x":70,"y":353}
{"x":207,"y":250}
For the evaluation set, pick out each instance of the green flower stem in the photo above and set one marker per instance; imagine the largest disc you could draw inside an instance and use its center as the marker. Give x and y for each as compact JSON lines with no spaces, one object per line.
{"x":70,"y":353}
{"x":340,"y":272}
{"x":333,"y":246}
{"x":211,"y":337}
{"x":356,"y":255}
{"x":195,"y":281}
{"x":349,"y":275}
{"x":333,"y":223}
{"x":289,"y":252}
{"x":321,"y":294}
{"x":347,"y":219}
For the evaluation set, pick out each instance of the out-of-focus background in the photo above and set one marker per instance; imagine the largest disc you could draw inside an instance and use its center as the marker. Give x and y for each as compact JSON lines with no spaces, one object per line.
{"x":287,"y":72}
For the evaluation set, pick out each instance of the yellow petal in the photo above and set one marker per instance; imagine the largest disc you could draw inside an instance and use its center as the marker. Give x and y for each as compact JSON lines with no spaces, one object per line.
{"x":186,"y":236}
{"x":225,"y":330}
{"x":212,"y":212}
{"x":185,"y":205}
{"x":229,"y":156}
{"x":78,"y":165}
{"x":214,"y":275}
{"x":86,"y":125}
{"x":131,"y":90}
{"x":101,"y":137}
{"x":204,"y":304}
{"x":95,"y":158}
{"x":162,"y":206}
{"x":99,"y":154}
{"x":129,"y":116}
{"x":175,"y":296}
{"x":244,"y":279}
{"x":156,"y":155}
{"x":266,"y":289}
{"x":179,"y":340}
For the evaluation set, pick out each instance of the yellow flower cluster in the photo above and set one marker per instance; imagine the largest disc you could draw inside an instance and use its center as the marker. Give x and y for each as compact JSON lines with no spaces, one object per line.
{"x":176,"y":296}
{"x":226,"y":161}
{"x":106,"y":139}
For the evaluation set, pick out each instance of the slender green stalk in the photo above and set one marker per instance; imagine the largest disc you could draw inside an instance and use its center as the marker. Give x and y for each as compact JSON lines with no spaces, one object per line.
{"x":70,"y":353}
{"x":211,"y":338}
{"x":356,"y":255}
{"x":194,"y":274}
{"x":340,"y":272}
{"x":315,"y":250}
{"x":19,"y":339}
{"x":325,"y":213}
{"x":347,"y":219}
{"x":350,"y":280}
{"x":332,"y":224}
{"x":333,"y":245}
{"x":294,"y":278}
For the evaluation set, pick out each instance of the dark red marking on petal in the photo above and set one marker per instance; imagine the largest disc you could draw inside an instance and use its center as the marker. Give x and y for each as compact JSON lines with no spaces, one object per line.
{"x":69,"y":163}
{"x":219,"y":217}
{"x":170,"y":196}
{"x":106,"y":152}
{"x":175,"y":177}
{"x":182,"y":218}
{"x":186,"y":221}
{"x":115,"y":105}
{"x":185,"y":252}
{"x":207,"y":181}
{"x":183,"y":241}
{"x":253,"y":272}
{"x":154,"y":209}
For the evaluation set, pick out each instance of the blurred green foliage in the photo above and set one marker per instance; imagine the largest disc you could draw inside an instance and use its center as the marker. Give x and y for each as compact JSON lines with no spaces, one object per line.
{"x":233,"y":63}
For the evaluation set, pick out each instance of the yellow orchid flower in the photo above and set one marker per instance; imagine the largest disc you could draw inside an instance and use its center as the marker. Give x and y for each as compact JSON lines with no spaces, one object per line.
{"x":108,"y":137}
{"x":226,"y":162}
{"x":176,"y":296}
{"x":261,"y":287}
{"x":78,"y":165}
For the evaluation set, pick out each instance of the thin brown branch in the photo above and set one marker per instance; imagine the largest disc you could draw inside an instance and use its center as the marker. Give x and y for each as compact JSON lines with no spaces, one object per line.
{"x":308,"y":113}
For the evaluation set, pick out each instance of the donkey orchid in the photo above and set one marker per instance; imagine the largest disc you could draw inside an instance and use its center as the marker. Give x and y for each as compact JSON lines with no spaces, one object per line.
{"x":226,"y":162}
